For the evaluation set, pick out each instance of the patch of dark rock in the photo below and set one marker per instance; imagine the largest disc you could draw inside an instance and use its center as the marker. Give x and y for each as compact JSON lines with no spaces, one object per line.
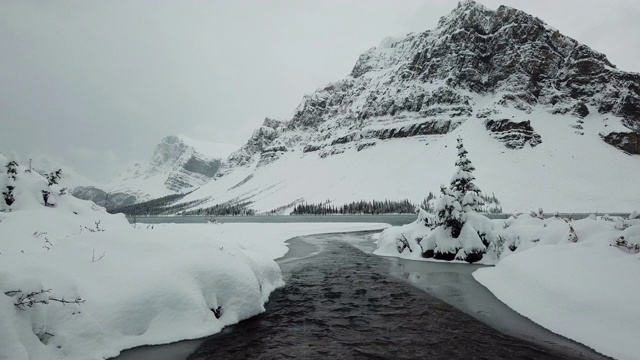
{"x":580,"y":109}
{"x":279,"y":148}
{"x":514,"y":134}
{"x":207,"y":168}
{"x":311,"y":148}
{"x":628,"y":142}
{"x":365,"y":145}
{"x":433,"y":127}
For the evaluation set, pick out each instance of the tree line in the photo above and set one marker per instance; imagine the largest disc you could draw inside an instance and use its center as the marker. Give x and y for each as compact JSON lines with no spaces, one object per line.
{"x":357,"y":207}
{"x":226,"y":209}
{"x":159,"y":206}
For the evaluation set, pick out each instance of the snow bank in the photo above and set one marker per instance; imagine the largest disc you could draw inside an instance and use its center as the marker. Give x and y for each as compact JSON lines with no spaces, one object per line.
{"x":138,"y":287}
{"x":576,"y":278}
{"x":79,"y":283}
{"x":587,"y":291}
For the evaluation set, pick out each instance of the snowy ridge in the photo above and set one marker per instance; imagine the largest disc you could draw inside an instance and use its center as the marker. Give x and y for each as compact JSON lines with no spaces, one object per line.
{"x":538,"y":111}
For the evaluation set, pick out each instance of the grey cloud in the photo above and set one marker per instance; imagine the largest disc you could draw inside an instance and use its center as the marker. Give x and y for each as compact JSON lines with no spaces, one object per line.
{"x":114,"y":77}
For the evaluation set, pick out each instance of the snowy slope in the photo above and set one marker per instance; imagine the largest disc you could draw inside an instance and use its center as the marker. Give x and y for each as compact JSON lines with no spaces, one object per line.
{"x":548,"y":122}
{"x":564,"y":173}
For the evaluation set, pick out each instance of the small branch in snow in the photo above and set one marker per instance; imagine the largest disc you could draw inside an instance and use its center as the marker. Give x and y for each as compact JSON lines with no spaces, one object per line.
{"x":93,"y":256}
{"x":97,"y":229}
{"x":623,"y":243}
{"x":76,"y":301}
{"x":403,"y":243}
{"x":539,"y":214}
{"x":573,"y":237}
{"x":24,"y":301}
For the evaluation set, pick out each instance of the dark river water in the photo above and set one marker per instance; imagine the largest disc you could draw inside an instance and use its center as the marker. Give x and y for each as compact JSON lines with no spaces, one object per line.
{"x":342,"y":302}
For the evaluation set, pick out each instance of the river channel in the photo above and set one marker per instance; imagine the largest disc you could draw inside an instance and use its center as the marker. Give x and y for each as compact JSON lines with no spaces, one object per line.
{"x":342,"y":302}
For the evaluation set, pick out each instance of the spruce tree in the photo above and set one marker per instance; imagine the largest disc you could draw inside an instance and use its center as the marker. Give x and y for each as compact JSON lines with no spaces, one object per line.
{"x":461,"y":197}
{"x":449,"y":211}
{"x":468,"y":193}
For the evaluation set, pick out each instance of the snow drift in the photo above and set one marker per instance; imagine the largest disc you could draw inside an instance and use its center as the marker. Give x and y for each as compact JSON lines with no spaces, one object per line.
{"x":576,"y":278}
{"x":78,"y":283}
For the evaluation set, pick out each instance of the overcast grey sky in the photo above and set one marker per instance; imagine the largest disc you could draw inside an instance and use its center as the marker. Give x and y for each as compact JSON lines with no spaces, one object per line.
{"x":96,"y":84}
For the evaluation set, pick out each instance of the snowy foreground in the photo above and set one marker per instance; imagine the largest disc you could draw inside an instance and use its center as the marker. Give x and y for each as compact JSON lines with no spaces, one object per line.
{"x":586,"y":290}
{"x":78,"y":283}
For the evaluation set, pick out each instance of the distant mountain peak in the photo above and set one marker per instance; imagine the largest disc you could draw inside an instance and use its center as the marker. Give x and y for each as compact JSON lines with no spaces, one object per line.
{"x":178,"y":164}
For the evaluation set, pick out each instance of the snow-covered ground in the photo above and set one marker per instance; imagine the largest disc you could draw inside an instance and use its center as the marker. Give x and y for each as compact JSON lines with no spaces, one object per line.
{"x":587,"y":291}
{"x":79,"y":283}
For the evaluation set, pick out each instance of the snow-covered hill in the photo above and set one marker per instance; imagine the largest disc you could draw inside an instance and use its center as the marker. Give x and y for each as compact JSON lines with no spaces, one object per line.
{"x":548,"y":122}
{"x":79,"y":283}
{"x":179,"y":164}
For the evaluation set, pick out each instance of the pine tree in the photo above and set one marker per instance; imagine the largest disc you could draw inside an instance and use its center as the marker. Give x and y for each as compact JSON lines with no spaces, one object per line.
{"x":449,"y":211}
{"x":461,"y":197}
{"x":12,"y":169}
{"x":462,"y":184}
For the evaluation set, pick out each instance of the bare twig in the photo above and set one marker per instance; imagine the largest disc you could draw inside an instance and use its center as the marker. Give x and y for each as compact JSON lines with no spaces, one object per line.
{"x":93,"y":256}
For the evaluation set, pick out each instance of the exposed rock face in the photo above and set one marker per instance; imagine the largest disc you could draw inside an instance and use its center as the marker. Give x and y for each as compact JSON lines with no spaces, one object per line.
{"x":513,"y":134}
{"x":429,"y":83}
{"x":103,"y":198}
{"x":186,"y":166}
{"x":625,"y":141}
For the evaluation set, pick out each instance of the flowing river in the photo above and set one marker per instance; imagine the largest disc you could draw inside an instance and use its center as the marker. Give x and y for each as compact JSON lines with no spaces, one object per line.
{"x":340,"y":301}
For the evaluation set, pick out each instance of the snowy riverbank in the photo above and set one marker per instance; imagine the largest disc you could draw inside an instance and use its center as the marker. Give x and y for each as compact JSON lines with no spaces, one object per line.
{"x":79,"y":283}
{"x":577,"y":278}
{"x":152,"y":286}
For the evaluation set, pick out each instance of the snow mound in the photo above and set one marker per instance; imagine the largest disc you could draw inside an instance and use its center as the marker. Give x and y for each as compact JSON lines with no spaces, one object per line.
{"x":79,"y":283}
{"x":586,"y":291}
{"x":575,"y":278}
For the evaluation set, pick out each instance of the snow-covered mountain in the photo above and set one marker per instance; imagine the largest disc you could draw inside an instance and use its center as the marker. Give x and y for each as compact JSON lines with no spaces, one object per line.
{"x":548,"y":122}
{"x":179,"y":164}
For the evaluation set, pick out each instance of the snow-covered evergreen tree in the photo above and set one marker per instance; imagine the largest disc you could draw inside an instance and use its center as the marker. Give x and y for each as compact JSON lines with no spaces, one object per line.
{"x":468,"y":193}
{"x":462,"y":196}
{"x":12,"y":169}
{"x":461,"y":234}
{"x":449,"y":211}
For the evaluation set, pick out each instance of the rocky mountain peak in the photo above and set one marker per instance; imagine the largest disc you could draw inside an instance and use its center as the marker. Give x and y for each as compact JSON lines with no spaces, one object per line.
{"x":531,"y":100}
{"x":429,"y":83}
